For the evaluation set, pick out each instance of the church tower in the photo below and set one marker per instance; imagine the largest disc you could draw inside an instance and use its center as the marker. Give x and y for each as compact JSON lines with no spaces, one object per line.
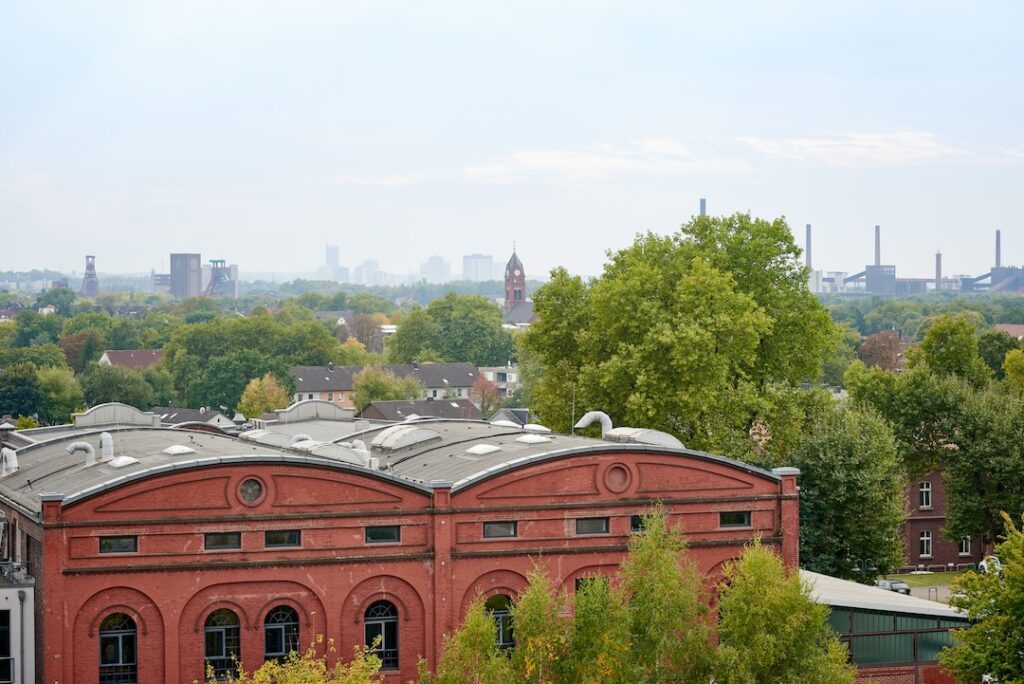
{"x":515,"y":281}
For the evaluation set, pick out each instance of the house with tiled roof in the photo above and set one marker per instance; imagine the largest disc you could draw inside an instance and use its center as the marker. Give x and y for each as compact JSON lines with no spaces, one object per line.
{"x":133,"y":359}
{"x":435,"y":408}
{"x":336,"y":384}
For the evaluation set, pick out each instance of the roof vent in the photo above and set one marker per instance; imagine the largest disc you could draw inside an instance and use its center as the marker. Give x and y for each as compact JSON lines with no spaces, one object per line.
{"x":533,"y":439}
{"x":592,"y":417}
{"x":482,"y":449}
{"x":10,"y":461}
{"x":300,"y":437}
{"x":90,"y":453}
{"x":122,"y":461}
{"x":629,"y":435}
{"x":178,"y":450}
{"x":106,"y":446}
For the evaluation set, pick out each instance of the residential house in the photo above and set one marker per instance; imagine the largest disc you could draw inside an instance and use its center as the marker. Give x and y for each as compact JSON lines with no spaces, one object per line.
{"x":133,"y":359}
{"x":336,"y":384}
{"x":398,"y":411}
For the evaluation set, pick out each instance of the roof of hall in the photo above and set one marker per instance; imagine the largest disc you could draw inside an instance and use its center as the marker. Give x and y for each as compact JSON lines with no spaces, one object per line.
{"x":420,"y":454}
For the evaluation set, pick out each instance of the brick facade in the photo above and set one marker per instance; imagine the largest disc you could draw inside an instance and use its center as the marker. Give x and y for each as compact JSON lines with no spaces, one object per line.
{"x":945,"y":553}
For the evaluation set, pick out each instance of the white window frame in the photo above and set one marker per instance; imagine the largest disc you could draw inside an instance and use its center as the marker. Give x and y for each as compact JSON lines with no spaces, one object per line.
{"x":925,"y":495}
{"x":925,"y":544}
{"x":965,"y":546}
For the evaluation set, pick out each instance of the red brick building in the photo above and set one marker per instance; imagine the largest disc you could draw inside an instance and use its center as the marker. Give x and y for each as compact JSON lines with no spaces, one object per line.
{"x":926,"y":543}
{"x":157,"y":552}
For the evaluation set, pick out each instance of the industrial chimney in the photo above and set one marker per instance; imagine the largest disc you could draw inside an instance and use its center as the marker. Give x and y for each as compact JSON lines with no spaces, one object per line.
{"x":703,"y":207}
{"x":999,"y":253}
{"x":807,"y":250}
{"x":938,"y":269}
{"x":878,"y":245}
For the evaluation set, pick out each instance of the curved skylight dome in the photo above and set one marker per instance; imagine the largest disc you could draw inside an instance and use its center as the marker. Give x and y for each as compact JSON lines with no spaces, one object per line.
{"x":401,"y":436}
{"x":630,"y":435}
{"x":178,"y":450}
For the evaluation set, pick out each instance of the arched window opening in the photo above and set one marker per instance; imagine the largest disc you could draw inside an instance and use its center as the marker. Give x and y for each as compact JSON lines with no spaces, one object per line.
{"x":280,"y":633}
{"x":117,"y":650}
{"x":223,"y":652}
{"x":381,"y":632}
{"x":500,"y":609}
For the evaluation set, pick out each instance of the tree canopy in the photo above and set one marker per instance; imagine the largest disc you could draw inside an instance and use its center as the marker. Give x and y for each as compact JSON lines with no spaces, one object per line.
{"x":453,"y":328}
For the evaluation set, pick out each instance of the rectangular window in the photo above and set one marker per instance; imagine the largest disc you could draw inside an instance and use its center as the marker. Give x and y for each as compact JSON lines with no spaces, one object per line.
{"x":310,"y":395}
{"x":925,"y":549}
{"x":636,"y":523}
{"x":282,"y":538}
{"x":734,"y":519}
{"x":221,"y":541}
{"x":592,"y":526}
{"x":499,"y":528}
{"x":925,"y":492}
{"x":330,"y":396}
{"x":965,"y":546}
{"x":125,"y":544}
{"x":380,"y":534}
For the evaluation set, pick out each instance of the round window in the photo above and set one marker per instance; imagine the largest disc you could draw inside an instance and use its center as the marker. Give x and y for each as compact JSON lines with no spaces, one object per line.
{"x":251,"y":490}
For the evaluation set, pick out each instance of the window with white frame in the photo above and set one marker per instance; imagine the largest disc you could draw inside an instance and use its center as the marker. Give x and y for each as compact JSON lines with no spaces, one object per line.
{"x":925,"y":494}
{"x":965,"y":546}
{"x":925,"y":549}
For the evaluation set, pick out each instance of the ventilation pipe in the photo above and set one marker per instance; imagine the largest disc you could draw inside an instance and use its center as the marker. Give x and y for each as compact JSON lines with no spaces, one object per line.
{"x":10,"y":461}
{"x":301,"y":437}
{"x":90,"y":453}
{"x":106,"y":446}
{"x":593,"y":417}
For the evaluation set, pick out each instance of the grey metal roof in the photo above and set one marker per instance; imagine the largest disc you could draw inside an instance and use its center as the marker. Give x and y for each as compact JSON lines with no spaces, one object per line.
{"x":438,"y":408}
{"x":521,"y":312}
{"x":842,"y":593}
{"x":341,"y":378}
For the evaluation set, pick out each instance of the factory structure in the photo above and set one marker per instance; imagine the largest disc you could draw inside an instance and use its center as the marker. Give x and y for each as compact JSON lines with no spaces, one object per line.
{"x":880,"y":279}
{"x":189,"y":277}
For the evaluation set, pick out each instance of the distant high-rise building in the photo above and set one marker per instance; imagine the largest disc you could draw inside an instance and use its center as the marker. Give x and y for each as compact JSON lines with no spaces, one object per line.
{"x":368,"y":273}
{"x":331,"y":256}
{"x":435,"y":270}
{"x":186,"y":275}
{"x":477,"y":267}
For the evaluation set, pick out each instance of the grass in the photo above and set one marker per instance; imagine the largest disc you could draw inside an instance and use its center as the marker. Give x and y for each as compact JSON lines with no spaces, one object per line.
{"x":934,"y":579}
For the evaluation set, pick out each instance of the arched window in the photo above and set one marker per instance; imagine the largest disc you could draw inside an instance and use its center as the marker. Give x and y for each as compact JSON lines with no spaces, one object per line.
{"x":280,"y":633}
{"x":222,"y":643}
{"x":382,"y":623}
{"x":117,"y":650}
{"x":499,"y":608}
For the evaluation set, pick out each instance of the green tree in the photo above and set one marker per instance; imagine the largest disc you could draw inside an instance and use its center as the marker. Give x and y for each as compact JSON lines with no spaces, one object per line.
{"x":60,"y":298}
{"x":162,"y":384}
{"x":600,"y":638}
{"x":1013,"y":368}
{"x":950,"y":347}
{"x":840,"y":356}
{"x":993,"y":345}
{"x":104,"y":384}
{"x":374,"y":383}
{"x":20,"y":394}
{"x":262,"y":395}
{"x":471,"y":655}
{"x":541,"y":632}
{"x":668,"y":618}
{"x":311,"y":668}
{"x":62,"y":394}
{"x":34,"y":328}
{"x":39,"y":355}
{"x":770,"y":629}
{"x":849,"y":463}
{"x":225,"y":378}
{"x":417,"y":339}
{"x":994,"y":643}
{"x":82,"y":348}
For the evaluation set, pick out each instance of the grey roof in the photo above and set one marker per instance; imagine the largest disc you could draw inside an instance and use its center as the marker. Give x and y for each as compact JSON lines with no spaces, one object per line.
{"x":837,"y":592}
{"x":437,"y":408}
{"x":333,"y":316}
{"x":520,"y":313}
{"x":340,"y":378}
{"x":172,"y":415}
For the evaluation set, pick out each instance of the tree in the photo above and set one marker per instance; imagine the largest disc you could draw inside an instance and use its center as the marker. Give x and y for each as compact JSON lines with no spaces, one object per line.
{"x":20,"y":394}
{"x":417,"y":339}
{"x":484,"y":394}
{"x":770,"y":629}
{"x":61,"y":298}
{"x":471,"y":655}
{"x":1013,"y":368}
{"x":364,"y":327}
{"x":993,"y":645}
{"x":881,"y":350}
{"x":840,"y":356}
{"x":541,"y":632}
{"x":668,"y":618}
{"x":39,"y":355}
{"x":600,"y":638}
{"x":374,"y":383}
{"x":950,"y":347}
{"x":311,"y":668}
{"x":225,"y":378}
{"x":454,"y":328}
{"x":82,"y":348}
{"x":849,"y":463}
{"x":104,"y":384}
{"x":35,"y":328}
{"x":262,"y":395}
{"x":993,"y":345}
{"x":62,"y":394}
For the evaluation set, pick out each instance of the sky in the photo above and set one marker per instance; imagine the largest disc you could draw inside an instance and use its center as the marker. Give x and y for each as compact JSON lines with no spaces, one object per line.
{"x":258,"y":131}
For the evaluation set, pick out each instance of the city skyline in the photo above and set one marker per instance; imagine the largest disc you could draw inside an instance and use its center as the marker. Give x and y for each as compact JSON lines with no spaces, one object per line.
{"x":258,"y":132}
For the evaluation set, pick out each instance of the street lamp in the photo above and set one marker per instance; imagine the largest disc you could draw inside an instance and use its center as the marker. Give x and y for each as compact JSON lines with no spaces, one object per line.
{"x":864,"y":566}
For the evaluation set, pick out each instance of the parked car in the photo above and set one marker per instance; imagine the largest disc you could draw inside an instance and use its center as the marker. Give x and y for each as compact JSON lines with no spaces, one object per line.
{"x":991,"y":564}
{"x":899,"y":586}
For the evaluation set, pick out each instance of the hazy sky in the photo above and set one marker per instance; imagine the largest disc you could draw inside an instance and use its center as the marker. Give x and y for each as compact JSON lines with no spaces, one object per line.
{"x":256,"y":132}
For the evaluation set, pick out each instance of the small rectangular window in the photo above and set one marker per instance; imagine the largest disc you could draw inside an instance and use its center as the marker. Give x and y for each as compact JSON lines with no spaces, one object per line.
{"x":965,"y":546}
{"x":592,"y":526}
{"x":636,"y":523}
{"x":330,"y":396}
{"x":500,"y":528}
{"x":310,"y":395}
{"x":220,"y":541}
{"x":125,"y":544}
{"x":282,"y":538}
{"x":379,"y":534}
{"x":734,"y":519}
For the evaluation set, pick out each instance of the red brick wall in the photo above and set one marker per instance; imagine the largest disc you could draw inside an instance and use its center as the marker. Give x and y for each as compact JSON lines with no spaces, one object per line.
{"x":904,"y":674}
{"x":944,"y":551}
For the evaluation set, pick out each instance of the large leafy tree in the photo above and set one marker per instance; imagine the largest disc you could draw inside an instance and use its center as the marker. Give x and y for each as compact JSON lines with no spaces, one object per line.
{"x":541,"y":632}
{"x":62,"y":394}
{"x":993,"y":346}
{"x":993,"y":645}
{"x":262,"y":395}
{"x":20,"y":394}
{"x":849,"y":463}
{"x":454,"y":328}
{"x":695,"y":333}
{"x":880,"y":350}
{"x":950,"y":347}
{"x":103,"y":384}
{"x":471,"y":655}
{"x":770,"y":629}
{"x":374,"y":383}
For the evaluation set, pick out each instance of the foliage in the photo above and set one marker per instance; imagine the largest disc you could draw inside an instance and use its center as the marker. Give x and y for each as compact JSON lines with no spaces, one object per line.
{"x":693,"y":334}
{"x":849,"y":464}
{"x":222,"y":382}
{"x":60,"y":298}
{"x":20,"y":394}
{"x":950,"y":347}
{"x":374,"y":383}
{"x":880,"y":350}
{"x":770,"y":629}
{"x":103,"y":384}
{"x":484,"y":394}
{"x":993,"y":345}
{"x":1013,"y":368}
{"x":541,"y":632}
{"x":415,"y":339}
{"x":26,"y":423}
{"x":82,"y":348}
{"x":471,"y":655}
{"x":35,"y":328}
{"x":311,"y":668}
{"x":454,"y":328}
{"x":61,"y":395}
{"x":840,"y":356}
{"x":600,"y":636}
{"x":366,"y":327}
{"x":262,"y":395}
{"x":39,"y":355}
{"x":994,"y":643}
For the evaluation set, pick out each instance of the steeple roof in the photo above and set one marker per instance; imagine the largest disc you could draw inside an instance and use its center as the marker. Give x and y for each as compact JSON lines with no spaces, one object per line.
{"x":514,"y":262}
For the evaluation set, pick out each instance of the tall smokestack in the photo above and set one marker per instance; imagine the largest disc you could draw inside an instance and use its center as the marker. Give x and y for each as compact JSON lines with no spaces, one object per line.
{"x":703,"y":207}
{"x":878,"y":245}
{"x":938,"y":270}
{"x":807,"y":250}
{"x":999,"y":252}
